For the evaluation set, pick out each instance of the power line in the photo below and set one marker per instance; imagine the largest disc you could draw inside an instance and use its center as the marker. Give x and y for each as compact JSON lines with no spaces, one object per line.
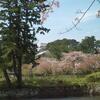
{"x":98,"y":1}
{"x":79,"y":20}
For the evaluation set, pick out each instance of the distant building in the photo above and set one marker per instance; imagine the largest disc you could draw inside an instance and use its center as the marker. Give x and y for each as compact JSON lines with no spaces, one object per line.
{"x":42,"y":47}
{"x":97,"y":51}
{"x":41,"y":53}
{"x":98,"y":14}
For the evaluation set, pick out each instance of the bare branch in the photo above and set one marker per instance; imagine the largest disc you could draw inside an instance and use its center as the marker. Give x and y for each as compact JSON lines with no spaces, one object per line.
{"x":45,"y":14}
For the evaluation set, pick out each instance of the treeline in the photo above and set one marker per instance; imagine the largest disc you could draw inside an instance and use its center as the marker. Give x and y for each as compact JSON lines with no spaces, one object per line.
{"x":87,"y":45}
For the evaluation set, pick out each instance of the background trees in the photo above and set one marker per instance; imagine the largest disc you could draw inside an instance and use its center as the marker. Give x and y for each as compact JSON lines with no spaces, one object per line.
{"x":97,"y":46}
{"x":87,"y":45}
{"x":66,"y":45}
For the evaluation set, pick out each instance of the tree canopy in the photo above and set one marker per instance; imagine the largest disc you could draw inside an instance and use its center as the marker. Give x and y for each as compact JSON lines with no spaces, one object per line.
{"x":20,"y":21}
{"x":87,"y":45}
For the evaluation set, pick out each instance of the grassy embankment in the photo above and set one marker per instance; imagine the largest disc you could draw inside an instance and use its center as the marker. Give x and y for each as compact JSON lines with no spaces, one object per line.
{"x":53,"y":86}
{"x":58,"y":80}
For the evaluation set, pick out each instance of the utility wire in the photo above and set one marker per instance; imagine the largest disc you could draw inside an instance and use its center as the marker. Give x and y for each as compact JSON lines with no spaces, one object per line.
{"x":75,"y":25}
{"x":98,"y":1}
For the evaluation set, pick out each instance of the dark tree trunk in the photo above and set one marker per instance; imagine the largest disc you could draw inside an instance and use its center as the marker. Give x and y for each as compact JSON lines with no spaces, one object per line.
{"x":7,"y":78}
{"x":19,"y":76}
{"x":14,"y":64}
{"x":18,"y":42}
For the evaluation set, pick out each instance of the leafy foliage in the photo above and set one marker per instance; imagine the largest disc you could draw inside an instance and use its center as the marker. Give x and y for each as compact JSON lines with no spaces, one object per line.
{"x":20,"y":22}
{"x":66,"y":45}
{"x":94,"y":77}
{"x":88,"y":44}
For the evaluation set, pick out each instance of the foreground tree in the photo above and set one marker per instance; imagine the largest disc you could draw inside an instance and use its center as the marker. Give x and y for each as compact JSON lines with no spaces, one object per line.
{"x":20,"y":21}
{"x":4,"y":66}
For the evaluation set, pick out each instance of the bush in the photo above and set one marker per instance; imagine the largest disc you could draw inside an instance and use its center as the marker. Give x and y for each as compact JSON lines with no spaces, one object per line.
{"x":56,"y":80}
{"x":72,"y":63}
{"x":94,"y":77}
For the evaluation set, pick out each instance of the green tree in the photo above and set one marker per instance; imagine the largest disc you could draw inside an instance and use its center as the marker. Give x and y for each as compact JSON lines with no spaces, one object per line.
{"x":97,"y":46}
{"x":56,"y":52}
{"x":3,"y":67}
{"x":66,"y":45}
{"x":20,"y":20}
{"x":87,"y":45}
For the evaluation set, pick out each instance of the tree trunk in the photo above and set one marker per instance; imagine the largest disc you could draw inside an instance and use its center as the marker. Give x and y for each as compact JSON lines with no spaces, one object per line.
{"x":7,"y":78}
{"x":19,"y":76}
{"x":14,"y":64}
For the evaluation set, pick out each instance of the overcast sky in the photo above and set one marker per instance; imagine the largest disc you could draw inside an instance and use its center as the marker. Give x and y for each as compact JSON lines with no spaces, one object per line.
{"x":62,"y":17}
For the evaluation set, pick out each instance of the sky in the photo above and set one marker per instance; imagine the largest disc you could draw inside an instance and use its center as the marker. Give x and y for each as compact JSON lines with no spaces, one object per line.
{"x":61,"y":20}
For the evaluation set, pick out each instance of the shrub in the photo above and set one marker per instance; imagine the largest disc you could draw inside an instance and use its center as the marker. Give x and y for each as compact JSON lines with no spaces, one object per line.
{"x":94,"y":77}
{"x":71,"y":63}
